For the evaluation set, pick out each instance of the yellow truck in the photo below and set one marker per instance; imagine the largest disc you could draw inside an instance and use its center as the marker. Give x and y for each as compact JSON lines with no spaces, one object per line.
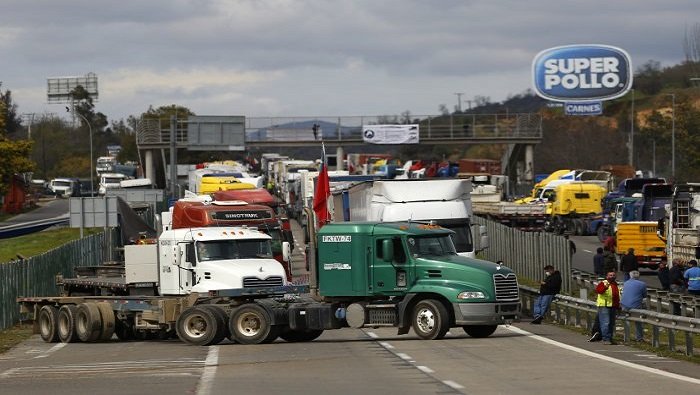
{"x":649,"y":249}
{"x":571,"y":206}
{"x":211,"y":184}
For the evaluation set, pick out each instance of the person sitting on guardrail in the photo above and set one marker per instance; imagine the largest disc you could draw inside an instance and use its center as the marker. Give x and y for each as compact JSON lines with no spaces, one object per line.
{"x":675,"y":275}
{"x":692,"y":277}
{"x":608,"y":303}
{"x":634,"y":294}
{"x":548,"y":288}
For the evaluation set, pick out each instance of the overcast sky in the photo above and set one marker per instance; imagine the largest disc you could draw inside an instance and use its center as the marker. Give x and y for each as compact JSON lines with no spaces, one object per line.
{"x":313,"y":57}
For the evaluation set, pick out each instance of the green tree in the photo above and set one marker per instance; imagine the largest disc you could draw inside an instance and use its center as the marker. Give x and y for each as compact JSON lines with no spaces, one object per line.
{"x":14,"y":154}
{"x":648,"y":78}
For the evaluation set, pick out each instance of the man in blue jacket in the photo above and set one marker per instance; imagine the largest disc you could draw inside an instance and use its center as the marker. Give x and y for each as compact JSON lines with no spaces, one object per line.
{"x":692,"y":277}
{"x":634,"y":294}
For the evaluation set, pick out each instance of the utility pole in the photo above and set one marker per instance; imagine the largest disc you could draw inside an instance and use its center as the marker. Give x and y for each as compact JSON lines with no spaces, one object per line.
{"x":29,"y":117}
{"x":459,"y":101}
{"x":469,"y":103}
{"x":673,"y":136}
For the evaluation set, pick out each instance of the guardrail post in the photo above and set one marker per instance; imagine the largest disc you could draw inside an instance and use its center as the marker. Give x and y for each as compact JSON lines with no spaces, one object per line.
{"x":655,"y":341}
{"x":671,"y":339}
{"x":626,"y":328}
{"x":660,"y":295}
{"x":688,"y":344}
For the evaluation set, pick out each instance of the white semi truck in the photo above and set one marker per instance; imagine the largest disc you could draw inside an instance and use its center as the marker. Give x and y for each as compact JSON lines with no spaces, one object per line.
{"x":146,"y":295}
{"x":446,"y":202}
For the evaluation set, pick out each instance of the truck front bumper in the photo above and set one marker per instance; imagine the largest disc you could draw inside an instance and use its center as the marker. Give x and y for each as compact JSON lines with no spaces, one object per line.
{"x":486,"y":313}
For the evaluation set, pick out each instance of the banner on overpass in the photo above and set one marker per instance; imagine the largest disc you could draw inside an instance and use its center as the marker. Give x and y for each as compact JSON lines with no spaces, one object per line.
{"x":390,"y":134}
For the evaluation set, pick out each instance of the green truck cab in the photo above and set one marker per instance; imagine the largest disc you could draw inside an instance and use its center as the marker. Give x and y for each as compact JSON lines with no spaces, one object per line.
{"x":409,"y":275}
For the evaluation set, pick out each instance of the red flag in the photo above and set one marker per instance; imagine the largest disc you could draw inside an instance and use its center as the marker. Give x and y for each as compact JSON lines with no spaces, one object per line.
{"x":322,"y":194}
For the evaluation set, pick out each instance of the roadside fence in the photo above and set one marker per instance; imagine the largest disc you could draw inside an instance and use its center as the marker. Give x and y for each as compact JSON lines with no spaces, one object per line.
{"x":36,"y":276}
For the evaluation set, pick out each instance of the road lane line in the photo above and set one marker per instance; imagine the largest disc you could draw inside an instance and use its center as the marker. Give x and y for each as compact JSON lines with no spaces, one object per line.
{"x":386,"y":345}
{"x":604,"y":357}
{"x":372,"y":335}
{"x":51,"y":350}
{"x":405,"y":357}
{"x":452,"y":384}
{"x":424,"y":369}
{"x":210,"y":364}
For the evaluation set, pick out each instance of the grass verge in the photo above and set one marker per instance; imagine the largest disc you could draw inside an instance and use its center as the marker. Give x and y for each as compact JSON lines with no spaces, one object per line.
{"x":13,"y":336}
{"x":38,"y":243}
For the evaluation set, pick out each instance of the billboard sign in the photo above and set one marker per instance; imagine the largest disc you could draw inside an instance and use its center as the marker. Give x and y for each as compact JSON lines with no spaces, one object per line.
{"x":581,"y":73}
{"x":584,"y":108}
{"x":390,"y":134}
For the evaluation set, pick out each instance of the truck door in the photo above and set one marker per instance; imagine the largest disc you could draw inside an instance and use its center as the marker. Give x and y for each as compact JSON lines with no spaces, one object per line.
{"x":390,"y":269}
{"x":186,"y":262}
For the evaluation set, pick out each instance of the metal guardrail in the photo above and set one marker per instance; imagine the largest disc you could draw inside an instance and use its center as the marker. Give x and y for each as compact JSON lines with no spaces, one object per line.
{"x":568,"y":310}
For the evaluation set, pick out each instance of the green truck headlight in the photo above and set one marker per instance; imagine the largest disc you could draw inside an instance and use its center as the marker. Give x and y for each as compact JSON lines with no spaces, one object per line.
{"x":471,"y":295}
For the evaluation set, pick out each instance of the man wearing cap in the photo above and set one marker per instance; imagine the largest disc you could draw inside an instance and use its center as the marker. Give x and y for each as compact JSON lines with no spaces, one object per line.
{"x":692,"y":277}
{"x":633,"y":296}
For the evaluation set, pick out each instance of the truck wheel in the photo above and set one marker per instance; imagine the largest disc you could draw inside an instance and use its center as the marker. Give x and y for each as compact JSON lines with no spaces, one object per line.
{"x":479,"y":331}
{"x":579,"y":227}
{"x":293,"y":336}
{"x":123,"y":330}
{"x":88,"y":322}
{"x":108,"y":324}
{"x":430,"y":319}
{"x":66,"y":323}
{"x":198,"y":326}
{"x":602,"y":233}
{"x":222,"y":330}
{"x":251,"y":324}
{"x":48,"y":324}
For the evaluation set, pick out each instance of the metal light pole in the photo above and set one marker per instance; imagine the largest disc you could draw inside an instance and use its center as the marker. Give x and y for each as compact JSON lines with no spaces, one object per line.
{"x":673,"y":135}
{"x":459,"y":101}
{"x":631,"y":151}
{"x":92,"y":186}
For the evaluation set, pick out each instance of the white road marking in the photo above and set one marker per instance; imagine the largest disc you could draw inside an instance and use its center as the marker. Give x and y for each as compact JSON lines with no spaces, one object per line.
{"x":425,"y":369}
{"x":386,"y":345}
{"x":403,"y":356}
{"x":604,"y":357}
{"x":452,"y":384}
{"x":51,"y":350}
{"x":372,"y":335}
{"x":588,"y":251}
{"x":210,"y":364}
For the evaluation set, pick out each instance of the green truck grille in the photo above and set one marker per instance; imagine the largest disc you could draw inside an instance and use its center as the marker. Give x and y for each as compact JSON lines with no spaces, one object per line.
{"x":506,"y":287}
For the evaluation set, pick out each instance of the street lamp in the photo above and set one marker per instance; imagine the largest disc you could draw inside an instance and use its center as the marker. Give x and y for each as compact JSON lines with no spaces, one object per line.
{"x":673,"y":135}
{"x":92,"y":186}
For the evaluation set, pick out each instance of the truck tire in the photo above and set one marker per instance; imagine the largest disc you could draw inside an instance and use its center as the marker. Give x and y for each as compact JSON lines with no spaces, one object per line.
{"x":293,"y":336}
{"x":108,"y":324}
{"x":222,"y":330}
{"x":48,"y":323}
{"x":251,"y":324}
{"x":88,"y":322}
{"x":198,"y":326}
{"x":430,"y":319}
{"x":602,"y":233}
{"x":124,"y":330}
{"x":479,"y":331}
{"x":66,"y":323}
{"x":579,"y":227}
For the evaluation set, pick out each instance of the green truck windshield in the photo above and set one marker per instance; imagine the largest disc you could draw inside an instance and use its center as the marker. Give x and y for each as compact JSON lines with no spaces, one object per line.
{"x":431,"y":246}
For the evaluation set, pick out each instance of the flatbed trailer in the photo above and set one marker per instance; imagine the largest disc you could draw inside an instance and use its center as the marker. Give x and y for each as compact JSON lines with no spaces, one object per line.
{"x":201,"y":319}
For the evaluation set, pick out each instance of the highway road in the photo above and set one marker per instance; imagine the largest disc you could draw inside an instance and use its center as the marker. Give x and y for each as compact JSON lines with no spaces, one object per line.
{"x":517,"y":359}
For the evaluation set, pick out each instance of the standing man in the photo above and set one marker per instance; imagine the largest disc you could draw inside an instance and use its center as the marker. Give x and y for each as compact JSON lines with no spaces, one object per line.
{"x":608,"y":304}
{"x":609,"y":260}
{"x":633,"y":296}
{"x":628,"y":264}
{"x":548,"y":288}
{"x":675,"y":274}
{"x":599,"y":263}
{"x":663,"y":275}
{"x":692,"y":277}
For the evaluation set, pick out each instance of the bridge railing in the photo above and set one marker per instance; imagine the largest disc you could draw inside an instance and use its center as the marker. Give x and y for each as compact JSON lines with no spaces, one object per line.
{"x":349,"y":128}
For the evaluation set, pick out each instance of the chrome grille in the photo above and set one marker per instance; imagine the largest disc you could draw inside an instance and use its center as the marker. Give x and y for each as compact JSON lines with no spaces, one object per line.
{"x":506,"y":287}
{"x":254,"y":282}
